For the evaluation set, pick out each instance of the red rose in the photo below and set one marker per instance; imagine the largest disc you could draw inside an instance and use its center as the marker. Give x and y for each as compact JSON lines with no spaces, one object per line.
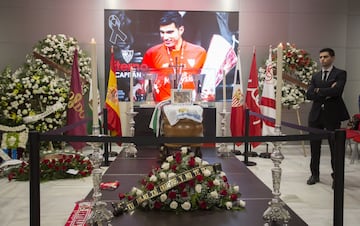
{"x":173,"y":167}
{"x":223,"y":192}
{"x":200,"y":178}
{"x":178,"y":157}
{"x":191,"y":183}
{"x":182,"y":186}
{"x":233,"y":197}
{"x":172,"y":195}
{"x":121,"y":195}
{"x":225,"y":179}
{"x":157,"y":205}
{"x":191,"y":162}
{"x":210,"y":184}
{"x":202,"y":205}
{"x":150,"y":186}
{"x":184,"y":194}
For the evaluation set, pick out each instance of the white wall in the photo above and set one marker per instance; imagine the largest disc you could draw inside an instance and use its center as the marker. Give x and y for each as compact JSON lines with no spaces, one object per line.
{"x":310,"y":24}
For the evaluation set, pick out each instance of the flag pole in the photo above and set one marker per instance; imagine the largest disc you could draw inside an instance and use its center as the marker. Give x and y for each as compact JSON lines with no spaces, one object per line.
{"x":268,"y":72}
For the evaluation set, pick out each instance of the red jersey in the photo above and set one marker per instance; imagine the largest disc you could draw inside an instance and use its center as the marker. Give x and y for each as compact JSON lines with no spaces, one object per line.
{"x":162,"y":62}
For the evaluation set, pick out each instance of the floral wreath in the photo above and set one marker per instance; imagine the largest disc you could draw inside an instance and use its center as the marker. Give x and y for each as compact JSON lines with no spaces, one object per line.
{"x":36,"y":85}
{"x":297,"y":64}
{"x":61,"y":166}
{"x":204,"y":192}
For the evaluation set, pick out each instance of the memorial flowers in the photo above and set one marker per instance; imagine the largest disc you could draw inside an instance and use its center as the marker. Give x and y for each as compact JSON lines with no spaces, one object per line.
{"x":299,"y":65}
{"x":205,"y":191}
{"x":55,"y":167}
{"x":36,"y":86}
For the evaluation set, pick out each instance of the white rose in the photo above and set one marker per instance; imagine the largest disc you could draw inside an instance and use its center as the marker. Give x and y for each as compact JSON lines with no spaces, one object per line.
{"x":216,"y":182}
{"x":165,"y":166}
{"x":186,"y":205}
{"x":133,"y":190}
{"x":242,"y":203}
{"x":153,"y":178}
{"x":198,"y":188}
{"x":163,"y":197}
{"x":207,"y":173}
{"x":205,"y":163}
{"x":162,"y":175}
{"x":139,"y":192}
{"x":173,"y":205}
{"x":228,"y":205}
{"x":236,"y":188}
{"x":214,"y":194}
{"x":198,"y":160}
{"x":170,"y":158}
{"x":184,"y":150}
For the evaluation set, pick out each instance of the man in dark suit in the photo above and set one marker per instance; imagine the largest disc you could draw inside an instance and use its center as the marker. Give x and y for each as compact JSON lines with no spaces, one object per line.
{"x":328,"y":109}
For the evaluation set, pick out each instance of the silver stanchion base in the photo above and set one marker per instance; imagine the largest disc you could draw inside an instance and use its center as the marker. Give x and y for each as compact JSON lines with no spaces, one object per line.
{"x":100,"y":215}
{"x":223,"y":151}
{"x":276,"y":213}
{"x":130,"y":150}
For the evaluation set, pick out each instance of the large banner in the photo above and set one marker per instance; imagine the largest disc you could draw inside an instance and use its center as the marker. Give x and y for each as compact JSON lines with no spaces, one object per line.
{"x":133,"y":32}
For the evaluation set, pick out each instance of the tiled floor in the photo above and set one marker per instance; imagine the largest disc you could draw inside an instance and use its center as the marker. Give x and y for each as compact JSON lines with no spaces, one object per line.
{"x":314,"y":204}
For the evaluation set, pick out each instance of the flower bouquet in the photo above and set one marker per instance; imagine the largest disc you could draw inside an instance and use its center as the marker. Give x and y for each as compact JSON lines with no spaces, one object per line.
{"x":202,"y":191}
{"x":299,"y":65}
{"x":35,"y":86}
{"x":53,"y":167}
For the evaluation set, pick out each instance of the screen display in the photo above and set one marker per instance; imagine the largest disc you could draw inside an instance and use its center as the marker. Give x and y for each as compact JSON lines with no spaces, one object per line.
{"x":131,"y":33}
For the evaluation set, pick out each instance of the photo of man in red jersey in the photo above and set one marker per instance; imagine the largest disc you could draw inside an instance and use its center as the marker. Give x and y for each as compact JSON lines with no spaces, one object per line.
{"x":173,"y":59}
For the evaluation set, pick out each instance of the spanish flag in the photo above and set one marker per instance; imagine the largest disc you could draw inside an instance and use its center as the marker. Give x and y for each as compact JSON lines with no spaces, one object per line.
{"x":112,"y":101}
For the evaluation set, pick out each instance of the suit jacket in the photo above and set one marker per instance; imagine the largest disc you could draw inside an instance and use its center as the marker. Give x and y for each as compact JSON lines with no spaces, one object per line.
{"x":328,"y":98}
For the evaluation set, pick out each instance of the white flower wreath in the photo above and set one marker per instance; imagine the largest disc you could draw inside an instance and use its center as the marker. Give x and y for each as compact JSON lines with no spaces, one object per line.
{"x":35,"y":86}
{"x":297,"y":64}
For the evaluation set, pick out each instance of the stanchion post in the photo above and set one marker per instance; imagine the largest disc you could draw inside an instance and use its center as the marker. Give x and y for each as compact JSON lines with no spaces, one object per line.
{"x":106,"y":144}
{"x":34,"y":156}
{"x":338,"y":216}
{"x":246,"y":143}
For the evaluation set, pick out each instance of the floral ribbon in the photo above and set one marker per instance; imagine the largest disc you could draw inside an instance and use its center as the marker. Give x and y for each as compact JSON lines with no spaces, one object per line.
{"x":172,"y":182}
{"x":49,"y":110}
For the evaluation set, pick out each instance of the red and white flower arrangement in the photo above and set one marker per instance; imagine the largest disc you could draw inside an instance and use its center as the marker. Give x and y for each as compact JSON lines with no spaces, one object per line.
{"x":204,"y":192}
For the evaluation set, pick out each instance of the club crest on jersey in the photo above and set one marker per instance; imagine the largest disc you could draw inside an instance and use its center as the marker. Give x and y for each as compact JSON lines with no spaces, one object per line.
{"x":127,"y":55}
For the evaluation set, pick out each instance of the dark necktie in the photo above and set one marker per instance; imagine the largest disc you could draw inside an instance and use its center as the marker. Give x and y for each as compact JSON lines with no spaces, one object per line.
{"x":325,"y":74}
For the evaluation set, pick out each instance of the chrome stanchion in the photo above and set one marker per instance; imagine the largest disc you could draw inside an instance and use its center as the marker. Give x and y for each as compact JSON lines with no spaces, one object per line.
{"x":130,"y":148}
{"x":99,"y":213}
{"x":276,"y":211}
{"x":223,"y":150}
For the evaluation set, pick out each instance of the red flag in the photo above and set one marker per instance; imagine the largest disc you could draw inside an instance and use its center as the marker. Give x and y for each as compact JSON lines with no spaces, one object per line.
{"x":76,"y":107}
{"x":267,"y":100}
{"x":112,"y":102}
{"x":252,"y":101}
{"x":237,"y":116}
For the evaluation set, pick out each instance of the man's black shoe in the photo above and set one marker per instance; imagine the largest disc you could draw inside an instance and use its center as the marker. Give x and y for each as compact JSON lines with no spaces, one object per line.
{"x":312,"y":180}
